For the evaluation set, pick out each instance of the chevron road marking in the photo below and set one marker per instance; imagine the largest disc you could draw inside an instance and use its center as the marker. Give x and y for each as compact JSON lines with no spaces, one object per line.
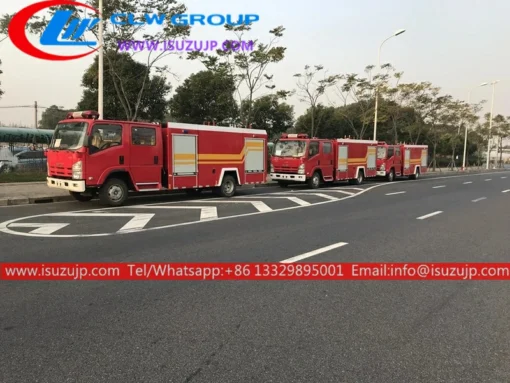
{"x":319,"y":195}
{"x":259,"y":205}
{"x":296,"y":200}
{"x":206,"y":212}
{"x":41,"y":228}
{"x":138,"y":222}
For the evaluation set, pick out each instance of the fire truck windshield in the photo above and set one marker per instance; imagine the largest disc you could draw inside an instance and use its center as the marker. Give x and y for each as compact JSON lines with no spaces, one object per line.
{"x":381,"y":152}
{"x":291,"y":148}
{"x":69,"y":136}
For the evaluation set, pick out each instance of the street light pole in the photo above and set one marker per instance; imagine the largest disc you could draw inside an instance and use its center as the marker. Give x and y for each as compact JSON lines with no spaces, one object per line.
{"x":399,"y":32}
{"x":466,"y":129}
{"x":490,"y":124}
{"x":100,"y":66}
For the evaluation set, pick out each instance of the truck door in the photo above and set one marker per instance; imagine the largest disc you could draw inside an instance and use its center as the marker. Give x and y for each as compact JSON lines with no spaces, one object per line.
{"x":314,"y":157}
{"x":146,"y":159}
{"x":398,"y":161}
{"x":184,"y":161}
{"x":108,"y":150}
{"x":326,"y":162}
{"x":407,"y":161}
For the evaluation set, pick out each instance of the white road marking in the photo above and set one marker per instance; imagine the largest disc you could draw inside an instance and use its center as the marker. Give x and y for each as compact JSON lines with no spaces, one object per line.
{"x":488,"y":179}
{"x":296,"y":200}
{"x":479,"y":199}
{"x":503,"y":177}
{"x":138,"y":222}
{"x":259,"y":205}
{"x":506,"y":191}
{"x":400,"y":192}
{"x":206,"y":212}
{"x":469,"y":182}
{"x":319,"y":195}
{"x":42,"y":228}
{"x":437,"y":187}
{"x":429,"y":215}
{"x":314,"y":252}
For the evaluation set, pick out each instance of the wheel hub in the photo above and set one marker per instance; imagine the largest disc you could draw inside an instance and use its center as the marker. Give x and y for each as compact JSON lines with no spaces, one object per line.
{"x":115,"y":193}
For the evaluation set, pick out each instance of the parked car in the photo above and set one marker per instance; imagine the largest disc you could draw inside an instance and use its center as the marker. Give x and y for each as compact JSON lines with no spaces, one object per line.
{"x":32,"y":160}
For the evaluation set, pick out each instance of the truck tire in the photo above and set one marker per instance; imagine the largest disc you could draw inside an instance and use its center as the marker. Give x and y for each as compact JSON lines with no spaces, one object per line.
{"x":359,"y":180}
{"x":228,"y":187}
{"x":81,"y":197}
{"x":415,"y":176}
{"x":315,"y":181}
{"x":391,"y":175}
{"x":113,"y":193}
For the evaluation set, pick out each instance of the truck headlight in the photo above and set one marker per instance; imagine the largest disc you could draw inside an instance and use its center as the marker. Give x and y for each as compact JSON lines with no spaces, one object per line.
{"x":77,"y":171}
{"x":383,"y":167}
{"x":301,"y":169}
{"x":272,"y":168}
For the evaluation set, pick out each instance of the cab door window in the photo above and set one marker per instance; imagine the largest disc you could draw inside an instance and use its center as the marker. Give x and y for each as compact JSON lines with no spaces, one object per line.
{"x":105,"y":136}
{"x":313,"y":149}
{"x":390,"y":151}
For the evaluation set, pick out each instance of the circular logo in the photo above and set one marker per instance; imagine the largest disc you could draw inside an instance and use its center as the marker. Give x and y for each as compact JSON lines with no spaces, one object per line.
{"x":19,"y":22}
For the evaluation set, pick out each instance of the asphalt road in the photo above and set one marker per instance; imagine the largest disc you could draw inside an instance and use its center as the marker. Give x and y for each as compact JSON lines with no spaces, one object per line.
{"x":349,"y":331}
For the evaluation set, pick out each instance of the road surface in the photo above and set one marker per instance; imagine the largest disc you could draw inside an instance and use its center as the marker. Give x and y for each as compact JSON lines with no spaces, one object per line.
{"x":240,"y":331}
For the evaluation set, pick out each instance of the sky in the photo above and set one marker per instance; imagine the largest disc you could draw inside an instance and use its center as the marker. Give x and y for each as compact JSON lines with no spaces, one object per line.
{"x":455,"y":44}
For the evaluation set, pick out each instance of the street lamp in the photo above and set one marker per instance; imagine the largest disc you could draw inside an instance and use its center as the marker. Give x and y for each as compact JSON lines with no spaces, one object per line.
{"x":100,"y":66}
{"x":466,"y":130}
{"x":490,"y":124}
{"x":399,"y":32}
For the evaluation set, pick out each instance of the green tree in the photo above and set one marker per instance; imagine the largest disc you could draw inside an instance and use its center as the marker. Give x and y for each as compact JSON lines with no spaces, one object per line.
{"x":270,"y":114}
{"x":51,"y":116}
{"x":134,"y":104}
{"x":206,"y":95}
{"x":310,"y":90}
{"x":248,"y":68}
{"x":152,"y":104}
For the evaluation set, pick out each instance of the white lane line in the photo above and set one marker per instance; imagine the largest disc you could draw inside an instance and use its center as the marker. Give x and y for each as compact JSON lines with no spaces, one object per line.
{"x":208,"y":213}
{"x":42,"y":228}
{"x":303,"y":192}
{"x":506,"y":191}
{"x":139,"y":221}
{"x":401,"y":192}
{"x":259,"y":205}
{"x":469,"y":182}
{"x":503,"y":177}
{"x":488,"y":179}
{"x":314,"y":252}
{"x":429,"y":215}
{"x":437,"y":187}
{"x":479,"y":199}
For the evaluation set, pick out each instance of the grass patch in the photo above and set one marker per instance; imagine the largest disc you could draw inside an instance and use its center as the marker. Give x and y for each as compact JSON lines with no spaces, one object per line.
{"x":22,"y":177}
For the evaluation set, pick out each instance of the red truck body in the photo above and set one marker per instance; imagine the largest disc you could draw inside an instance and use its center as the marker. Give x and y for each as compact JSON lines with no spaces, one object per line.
{"x":92,"y":157}
{"x":298,"y":159}
{"x":401,"y":160}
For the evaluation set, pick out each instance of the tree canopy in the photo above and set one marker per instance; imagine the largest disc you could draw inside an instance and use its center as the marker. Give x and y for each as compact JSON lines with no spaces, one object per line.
{"x":51,"y":116}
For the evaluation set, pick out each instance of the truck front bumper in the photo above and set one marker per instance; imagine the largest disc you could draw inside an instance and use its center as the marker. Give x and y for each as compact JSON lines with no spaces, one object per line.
{"x":288,"y":177}
{"x":71,"y":185}
{"x":381,"y":173}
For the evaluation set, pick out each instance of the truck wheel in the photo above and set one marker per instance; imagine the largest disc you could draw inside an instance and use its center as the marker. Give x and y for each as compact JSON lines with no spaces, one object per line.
{"x":81,"y":197}
{"x":315,"y":181}
{"x":391,"y":175}
{"x":113,"y":193}
{"x":415,"y":176}
{"x":228,"y":187}
{"x":359,"y":180}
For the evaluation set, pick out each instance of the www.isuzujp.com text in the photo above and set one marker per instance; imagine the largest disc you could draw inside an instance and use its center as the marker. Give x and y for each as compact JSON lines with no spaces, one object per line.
{"x":186,"y":46}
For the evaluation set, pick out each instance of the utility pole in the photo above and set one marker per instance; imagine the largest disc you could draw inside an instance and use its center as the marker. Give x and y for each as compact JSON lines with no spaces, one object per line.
{"x":35,"y":108}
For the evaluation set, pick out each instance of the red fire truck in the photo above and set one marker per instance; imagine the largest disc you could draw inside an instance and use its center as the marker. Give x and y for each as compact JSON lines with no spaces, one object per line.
{"x":401,"y":160}
{"x":298,"y":158}
{"x":92,"y":157}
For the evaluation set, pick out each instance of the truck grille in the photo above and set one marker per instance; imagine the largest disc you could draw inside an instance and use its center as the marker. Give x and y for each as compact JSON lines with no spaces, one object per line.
{"x":285,"y":169}
{"x":59,"y":171}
